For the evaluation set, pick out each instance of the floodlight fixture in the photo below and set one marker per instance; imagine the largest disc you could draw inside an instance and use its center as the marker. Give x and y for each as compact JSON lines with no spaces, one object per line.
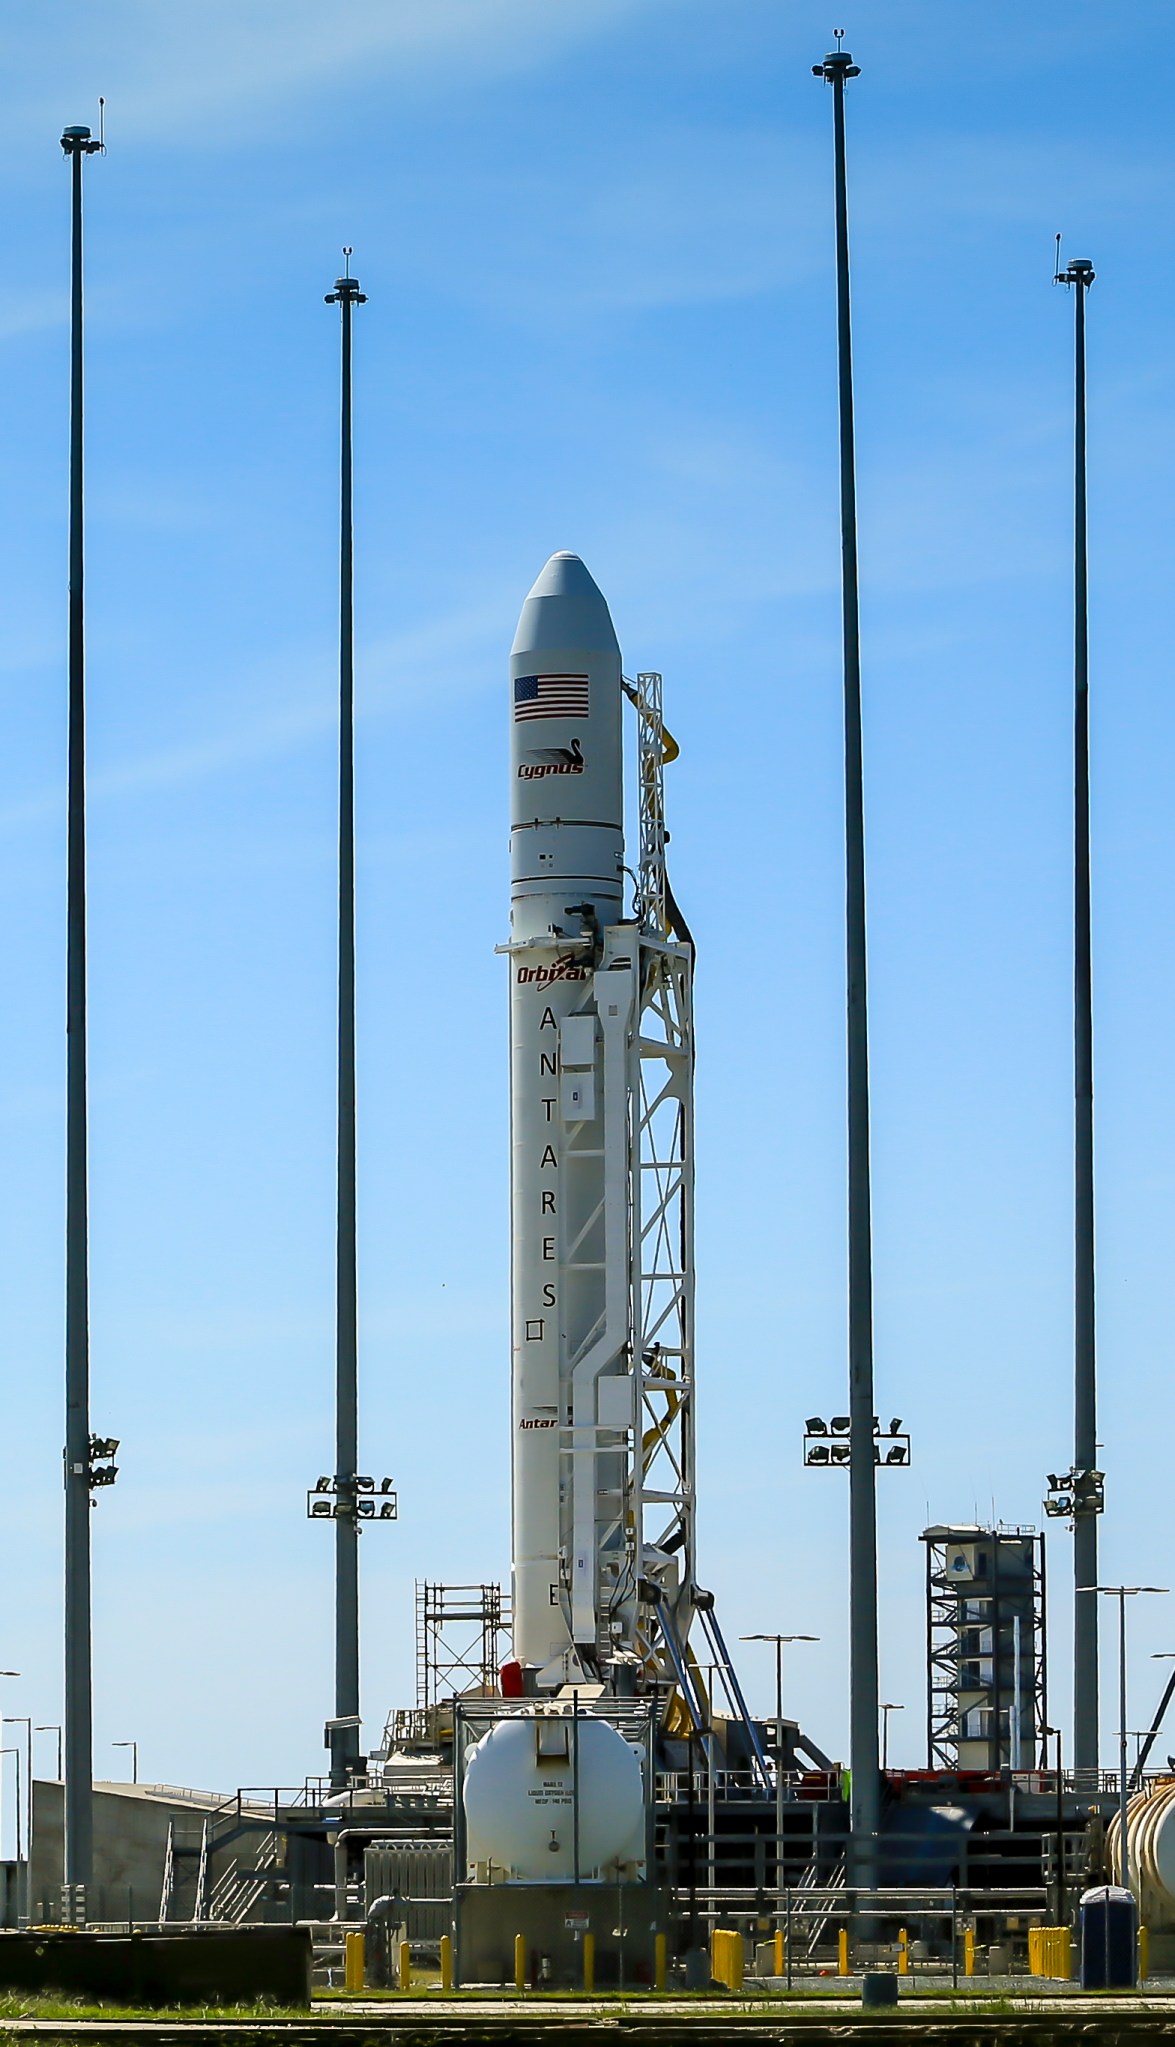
{"x":819,"y":1451}
{"x":342,"y":1499}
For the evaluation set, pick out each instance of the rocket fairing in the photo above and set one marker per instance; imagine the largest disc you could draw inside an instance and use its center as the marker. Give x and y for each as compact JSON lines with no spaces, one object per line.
{"x":571,"y":1260}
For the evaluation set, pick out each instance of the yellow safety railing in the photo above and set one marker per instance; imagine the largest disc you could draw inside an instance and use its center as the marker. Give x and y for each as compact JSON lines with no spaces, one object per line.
{"x":726,"y":1957}
{"x":1050,"y":1952}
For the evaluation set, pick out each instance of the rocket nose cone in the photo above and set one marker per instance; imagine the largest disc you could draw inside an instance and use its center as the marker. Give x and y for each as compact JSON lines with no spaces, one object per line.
{"x":565,"y":608}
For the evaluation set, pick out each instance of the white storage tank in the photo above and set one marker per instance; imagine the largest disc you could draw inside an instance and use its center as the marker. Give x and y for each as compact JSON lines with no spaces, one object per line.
{"x":523,"y":1783}
{"x":1150,"y":1833}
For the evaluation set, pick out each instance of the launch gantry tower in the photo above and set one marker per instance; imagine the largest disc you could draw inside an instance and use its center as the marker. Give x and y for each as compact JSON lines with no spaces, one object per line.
{"x":659,"y":1497}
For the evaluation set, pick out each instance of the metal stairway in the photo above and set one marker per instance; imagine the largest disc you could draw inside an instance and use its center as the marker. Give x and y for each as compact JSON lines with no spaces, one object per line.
{"x":236,"y":1891}
{"x":814,"y":1912}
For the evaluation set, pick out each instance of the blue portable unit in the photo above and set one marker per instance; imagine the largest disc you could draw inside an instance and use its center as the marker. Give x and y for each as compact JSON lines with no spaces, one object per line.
{"x":1109,"y":1939}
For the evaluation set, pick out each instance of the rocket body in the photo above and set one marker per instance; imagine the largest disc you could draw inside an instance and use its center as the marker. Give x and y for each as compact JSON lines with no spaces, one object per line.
{"x":569,"y":1050}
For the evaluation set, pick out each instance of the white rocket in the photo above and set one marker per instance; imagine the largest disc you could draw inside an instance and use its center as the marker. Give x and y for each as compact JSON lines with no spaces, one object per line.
{"x":601,"y":1082}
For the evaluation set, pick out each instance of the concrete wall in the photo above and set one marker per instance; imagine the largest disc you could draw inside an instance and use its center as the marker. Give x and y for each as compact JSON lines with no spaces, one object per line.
{"x":130,"y":1843}
{"x":130,"y":1847}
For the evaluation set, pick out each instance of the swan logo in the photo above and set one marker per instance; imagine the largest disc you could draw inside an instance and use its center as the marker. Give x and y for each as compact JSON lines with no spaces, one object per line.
{"x":541,"y":761}
{"x":565,"y":968}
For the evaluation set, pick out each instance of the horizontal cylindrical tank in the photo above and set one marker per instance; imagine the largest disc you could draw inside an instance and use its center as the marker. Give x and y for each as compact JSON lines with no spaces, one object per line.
{"x":1150,"y":1836}
{"x":552,"y":1796}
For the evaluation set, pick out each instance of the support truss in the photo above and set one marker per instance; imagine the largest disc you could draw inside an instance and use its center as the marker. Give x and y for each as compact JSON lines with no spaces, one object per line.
{"x":662,"y":1138}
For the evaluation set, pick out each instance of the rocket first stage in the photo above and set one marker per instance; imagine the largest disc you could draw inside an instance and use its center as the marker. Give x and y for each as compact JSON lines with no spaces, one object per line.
{"x":602,"y":1279}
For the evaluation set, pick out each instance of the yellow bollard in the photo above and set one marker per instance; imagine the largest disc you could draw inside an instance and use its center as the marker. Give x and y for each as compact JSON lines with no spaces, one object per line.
{"x":519,"y":1962}
{"x":842,"y":1952}
{"x":589,"y":1961}
{"x":903,"y":1952}
{"x":780,"y":1964}
{"x":968,"y":1951}
{"x":1144,"y":1954}
{"x":446,"y":1961}
{"x":726,"y":1957}
{"x":1050,"y":1952}
{"x":405,"y":1966}
{"x":660,"y":1962}
{"x":353,"y":1961}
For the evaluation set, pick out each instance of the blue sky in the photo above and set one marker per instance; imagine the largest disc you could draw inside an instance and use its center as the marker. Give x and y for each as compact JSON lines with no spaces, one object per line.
{"x":597,"y":243}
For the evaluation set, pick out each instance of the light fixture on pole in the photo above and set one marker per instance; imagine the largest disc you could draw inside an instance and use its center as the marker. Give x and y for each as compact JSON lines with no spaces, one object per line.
{"x":1085,"y":1490}
{"x":51,"y":1727}
{"x":24,"y":1720}
{"x":887,"y":1707}
{"x":78,"y":143}
{"x":1122,"y":1593}
{"x":134,"y":1747}
{"x":827,"y":1445}
{"x":865,"y":1797}
{"x":779,"y":1641}
{"x":9,"y":1673}
{"x":1152,"y":1733}
{"x":19,"y":1847}
{"x":1062,"y":1900}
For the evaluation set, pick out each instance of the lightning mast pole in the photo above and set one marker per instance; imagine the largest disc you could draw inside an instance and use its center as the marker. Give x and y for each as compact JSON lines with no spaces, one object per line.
{"x":865,"y":1808}
{"x":77,"y":143}
{"x":1086,"y":1491}
{"x":345,"y":1747}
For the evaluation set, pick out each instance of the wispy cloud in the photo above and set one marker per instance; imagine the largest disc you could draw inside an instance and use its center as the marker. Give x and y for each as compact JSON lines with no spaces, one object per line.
{"x":685,"y":214}
{"x":456,"y":656}
{"x":214,"y":70}
{"x":31,"y":312}
{"x":931,"y":178}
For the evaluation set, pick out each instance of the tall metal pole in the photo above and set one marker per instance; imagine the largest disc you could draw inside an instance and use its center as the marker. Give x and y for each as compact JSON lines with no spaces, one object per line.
{"x":1123,"y":1792}
{"x":77,"y":144}
{"x":1121,"y":1593}
{"x":779,"y":1763}
{"x":1086,"y":1501}
{"x":25,"y":1720}
{"x":345,"y":1747}
{"x":779,"y":1641}
{"x":865,"y":1797}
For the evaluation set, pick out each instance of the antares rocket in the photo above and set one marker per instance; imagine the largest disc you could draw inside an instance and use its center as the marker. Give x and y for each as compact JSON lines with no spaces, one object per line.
{"x":601,"y":1090}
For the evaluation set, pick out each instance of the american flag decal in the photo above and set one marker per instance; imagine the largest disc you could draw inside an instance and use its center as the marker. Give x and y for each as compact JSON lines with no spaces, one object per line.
{"x":550,"y":696}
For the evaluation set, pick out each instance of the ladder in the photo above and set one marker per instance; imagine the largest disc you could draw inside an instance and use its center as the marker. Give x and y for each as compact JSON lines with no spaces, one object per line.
{"x":814,"y":1913}
{"x":200,"y":1903}
{"x":168,"y":1874}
